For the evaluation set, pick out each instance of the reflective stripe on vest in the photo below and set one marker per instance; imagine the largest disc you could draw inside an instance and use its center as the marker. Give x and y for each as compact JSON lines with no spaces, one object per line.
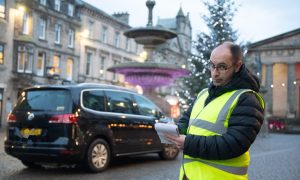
{"x":218,"y":127}
{"x":216,"y":124}
{"x":229,"y":169}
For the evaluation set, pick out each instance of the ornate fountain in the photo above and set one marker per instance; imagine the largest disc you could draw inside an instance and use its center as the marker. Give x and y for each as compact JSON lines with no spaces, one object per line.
{"x":149,"y":74}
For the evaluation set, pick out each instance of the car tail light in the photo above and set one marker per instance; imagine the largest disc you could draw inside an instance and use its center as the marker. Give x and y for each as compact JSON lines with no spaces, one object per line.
{"x":64,"y":118}
{"x":11,"y":118}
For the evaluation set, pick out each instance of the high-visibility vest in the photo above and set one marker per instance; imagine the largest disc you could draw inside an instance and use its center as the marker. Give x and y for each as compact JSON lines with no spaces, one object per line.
{"x":211,"y":120}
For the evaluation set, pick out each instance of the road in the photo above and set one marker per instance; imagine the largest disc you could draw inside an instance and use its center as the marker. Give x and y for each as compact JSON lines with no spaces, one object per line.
{"x":273,"y":157}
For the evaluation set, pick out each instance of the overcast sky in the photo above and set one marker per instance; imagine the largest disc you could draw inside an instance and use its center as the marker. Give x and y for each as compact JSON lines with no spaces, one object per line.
{"x":255,"y":20}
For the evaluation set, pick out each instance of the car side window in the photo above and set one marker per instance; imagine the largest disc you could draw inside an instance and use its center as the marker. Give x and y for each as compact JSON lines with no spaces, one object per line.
{"x":145,"y":107}
{"x":119,"y":102}
{"x":94,"y":99}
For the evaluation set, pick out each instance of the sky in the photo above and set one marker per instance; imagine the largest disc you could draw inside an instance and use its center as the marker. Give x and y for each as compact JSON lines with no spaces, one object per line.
{"x":254,"y":20}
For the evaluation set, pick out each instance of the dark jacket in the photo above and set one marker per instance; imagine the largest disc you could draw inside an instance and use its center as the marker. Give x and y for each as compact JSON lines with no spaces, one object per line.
{"x":243,"y":125}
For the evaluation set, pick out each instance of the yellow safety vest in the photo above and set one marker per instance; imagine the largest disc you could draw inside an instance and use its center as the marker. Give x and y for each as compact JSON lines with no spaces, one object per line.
{"x":211,"y":120}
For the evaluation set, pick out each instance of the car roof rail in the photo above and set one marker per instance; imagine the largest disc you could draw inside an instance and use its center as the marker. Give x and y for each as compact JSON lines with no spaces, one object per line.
{"x":105,"y":85}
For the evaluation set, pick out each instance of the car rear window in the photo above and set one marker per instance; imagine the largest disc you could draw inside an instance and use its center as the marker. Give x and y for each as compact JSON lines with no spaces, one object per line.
{"x":44,"y":100}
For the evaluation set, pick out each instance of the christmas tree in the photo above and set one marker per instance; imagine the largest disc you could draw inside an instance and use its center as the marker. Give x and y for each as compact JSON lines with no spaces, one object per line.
{"x":219,"y":22}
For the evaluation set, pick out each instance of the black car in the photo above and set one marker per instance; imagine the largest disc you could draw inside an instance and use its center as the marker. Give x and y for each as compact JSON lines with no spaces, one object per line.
{"x":84,"y":124}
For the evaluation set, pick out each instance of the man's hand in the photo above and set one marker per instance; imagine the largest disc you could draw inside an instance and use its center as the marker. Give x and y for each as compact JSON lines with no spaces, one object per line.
{"x":177,"y":140}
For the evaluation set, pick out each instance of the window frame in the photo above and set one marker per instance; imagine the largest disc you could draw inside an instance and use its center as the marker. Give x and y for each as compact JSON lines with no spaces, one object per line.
{"x":57,"y":5}
{"x":89,"y":108}
{"x":104,"y":34}
{"x":40,"y":71}
{"x":102,"y":67}
{"x":69,"y":70}
{"x":26,"y":53}
{"x":42,"y":28}
{"x":57,"y":30}
{"x":25,"y":23}
{"x":70,"y":10}
{"x":89,"y":59}
{"x":117,"y":39}
{"x":71,"y":38}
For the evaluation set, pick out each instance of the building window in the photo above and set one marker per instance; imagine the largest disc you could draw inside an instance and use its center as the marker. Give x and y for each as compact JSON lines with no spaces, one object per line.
{"x":136,"y":48}
{"x":91,"y":28}
{"x":43,"y":2}
{"x":25,"y":57}
{"x":57,"y":33}
{"x":69,"y":69}
{"x":40,"y":64}
{"x":71,"y":38}
{"x":114,"y":74}
{"x":104,"y":34}
{"x":57,"y":5}
{"x":102,"y":67}
{"x":42,"y":29}
{"x":127,"y":44}
{"x":55,"y":65}
{"x":70,"y":9}
{"x":2,"y":8}
{"x":1,"y":54}
{"x":25,"y":24}
{"x":89,"y":57}
{"x":117,"y":39}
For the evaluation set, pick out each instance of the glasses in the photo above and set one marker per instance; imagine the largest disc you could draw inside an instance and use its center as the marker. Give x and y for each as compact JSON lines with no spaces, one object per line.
{"x":219,"y":67}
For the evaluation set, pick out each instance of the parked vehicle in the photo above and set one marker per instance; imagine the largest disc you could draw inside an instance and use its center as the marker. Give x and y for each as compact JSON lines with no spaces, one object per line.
{"x":84,"y":124}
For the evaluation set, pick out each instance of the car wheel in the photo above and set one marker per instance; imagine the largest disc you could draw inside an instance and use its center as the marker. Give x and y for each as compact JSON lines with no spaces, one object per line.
{"x":32,"y":165}
{"x":169,"y":152}
{"x":98,"y":156}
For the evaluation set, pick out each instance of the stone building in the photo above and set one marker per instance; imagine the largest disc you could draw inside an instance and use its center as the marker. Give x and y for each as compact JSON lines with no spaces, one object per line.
{"x":41,"y":45}
{"x":103,"y":45}
{"x":276,"y":61}
{"x":6,"y":49}
{"x":70,"y":41}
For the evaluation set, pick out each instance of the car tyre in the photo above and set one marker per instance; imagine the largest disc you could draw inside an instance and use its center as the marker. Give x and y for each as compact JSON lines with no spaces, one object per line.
{"x":98,"y":156}
{"x":169,"y":152}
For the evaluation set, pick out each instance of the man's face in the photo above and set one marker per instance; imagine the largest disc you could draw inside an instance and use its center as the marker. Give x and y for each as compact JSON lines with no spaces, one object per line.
{"x":222,"y":67}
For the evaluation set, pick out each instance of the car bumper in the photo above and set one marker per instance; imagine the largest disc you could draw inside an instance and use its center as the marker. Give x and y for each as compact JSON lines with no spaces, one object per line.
{"x":51,"y":154}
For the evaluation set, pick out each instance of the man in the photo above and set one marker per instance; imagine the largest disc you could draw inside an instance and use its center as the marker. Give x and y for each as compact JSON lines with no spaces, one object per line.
{"x":223,"y":122}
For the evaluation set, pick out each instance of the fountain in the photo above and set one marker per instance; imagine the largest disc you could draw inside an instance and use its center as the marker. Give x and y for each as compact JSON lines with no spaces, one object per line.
{"x":149,"y":74}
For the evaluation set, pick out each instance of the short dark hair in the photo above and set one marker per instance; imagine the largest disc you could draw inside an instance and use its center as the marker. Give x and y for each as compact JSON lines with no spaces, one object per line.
{"x":236,"y":51}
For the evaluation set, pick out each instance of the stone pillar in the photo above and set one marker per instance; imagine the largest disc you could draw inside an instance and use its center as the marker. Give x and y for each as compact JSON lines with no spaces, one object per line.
{"x":269,"y":86}
{"x":291,"y":101}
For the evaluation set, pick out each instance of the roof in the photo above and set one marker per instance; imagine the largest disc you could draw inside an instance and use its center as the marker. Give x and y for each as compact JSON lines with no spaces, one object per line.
{"x":275,"y":38}
{"x":91,"y":7}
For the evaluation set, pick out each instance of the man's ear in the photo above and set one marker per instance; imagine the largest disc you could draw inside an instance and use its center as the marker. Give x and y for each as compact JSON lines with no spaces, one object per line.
{"x":238,"y":66}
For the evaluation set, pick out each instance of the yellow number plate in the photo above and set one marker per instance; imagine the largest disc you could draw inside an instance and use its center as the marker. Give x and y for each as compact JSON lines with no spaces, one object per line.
{"x":31,"y":132}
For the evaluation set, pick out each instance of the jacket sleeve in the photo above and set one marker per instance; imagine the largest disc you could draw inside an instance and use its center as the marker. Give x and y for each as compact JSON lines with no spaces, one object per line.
{"x":184,"y":120}
{"x":243,"y":127}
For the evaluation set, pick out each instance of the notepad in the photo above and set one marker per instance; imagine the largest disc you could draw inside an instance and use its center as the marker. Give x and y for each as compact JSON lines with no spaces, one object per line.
{"x":163,"y":128}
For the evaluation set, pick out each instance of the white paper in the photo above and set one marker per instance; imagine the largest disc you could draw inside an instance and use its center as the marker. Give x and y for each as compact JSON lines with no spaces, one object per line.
{"x":163,"y":128}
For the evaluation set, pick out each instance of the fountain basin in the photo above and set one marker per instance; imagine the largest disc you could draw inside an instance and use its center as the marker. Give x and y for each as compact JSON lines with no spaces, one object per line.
{"x":149,"y":75}
{"x":150,"y":36}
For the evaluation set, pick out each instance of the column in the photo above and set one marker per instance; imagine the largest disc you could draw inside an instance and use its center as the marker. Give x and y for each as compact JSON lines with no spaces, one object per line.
{"x":291,"y":111}
{"x":269,"y":86}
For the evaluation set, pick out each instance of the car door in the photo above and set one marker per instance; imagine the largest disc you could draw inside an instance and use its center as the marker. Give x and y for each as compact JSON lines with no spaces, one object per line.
{"x":147,"y":111}
{"x":124,"y":123}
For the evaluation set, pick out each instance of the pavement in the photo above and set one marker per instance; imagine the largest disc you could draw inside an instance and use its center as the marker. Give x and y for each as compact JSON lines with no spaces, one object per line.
{"x":274,"y":156}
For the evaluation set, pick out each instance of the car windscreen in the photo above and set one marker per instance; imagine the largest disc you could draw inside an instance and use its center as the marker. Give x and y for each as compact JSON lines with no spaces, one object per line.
{"x":54,"y":100}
